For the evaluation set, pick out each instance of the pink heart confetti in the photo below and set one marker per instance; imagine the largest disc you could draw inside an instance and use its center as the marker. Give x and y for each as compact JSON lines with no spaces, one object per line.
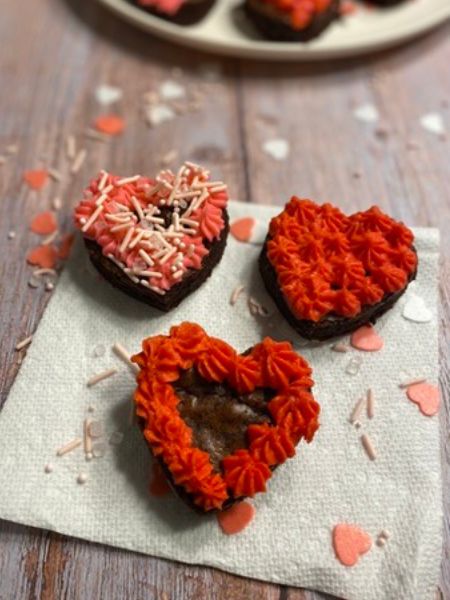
{"x":366,"y":339}
{"x":350,"y":543}
{"x":426,"y":396}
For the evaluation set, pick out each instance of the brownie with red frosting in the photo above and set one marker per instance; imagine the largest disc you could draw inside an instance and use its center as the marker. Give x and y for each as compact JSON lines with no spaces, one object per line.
{"x":182,"y":12}
{"x":292,"y":20}
{"x":330,"y":273}
{"x":157,"y":239}
{"x":217,"y":421}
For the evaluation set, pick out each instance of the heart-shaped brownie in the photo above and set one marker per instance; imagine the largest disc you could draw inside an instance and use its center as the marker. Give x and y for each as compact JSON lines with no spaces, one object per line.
{"x":220,"y":422}
{"x":329,"y":273}
{"x":155,"y":239}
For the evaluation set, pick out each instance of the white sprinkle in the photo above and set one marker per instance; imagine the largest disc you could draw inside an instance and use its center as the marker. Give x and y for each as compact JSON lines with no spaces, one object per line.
{"x":235,"y":294}
{"x":99,"y":450}
{"x":143,"y":254}
{"x":48,"y":468}
{"x":116,"y":438}
{"x":217,"y":189}
{"x":49,"y":239}
{"x":95,"y":429}
{"x":103,"y":180}
{"x":49,"y":286}
{"x":87,"y":442}
{"x":406,"y":384}
{"x":416,"y":310}
{"x":171,"y":90}
{"x":433,"y":123}
{"x":70,"y":147}
{"x":89,"y":456}
{"x":126,"y":180}
{"x":69,"y":447}
{"x":11,"y":235}
{"x":357,"y":410}
{"x":107,"y":94}
{"x":96,"y":136}
{"x":384,"y":533}
{"x":155,"y":115}
{"x":78,"y":161}
{"x":277,"y":148}
{"x":101,"y":376}
{"x":56,"y":204}
{"x":368,"y":447}
{"x":92,"y":218}
{"x":82,"y":478}
{"x":167,"y":255}
{"x":178,"y":274}
{"x":126,"y":240}
{"x":370,"y":404}
{"x":128,"y":225}
{"x":340,"y":347}
{"x":122,"y":353}
{"x":24,"y":343}
{"x":367,"y":113}
{"x":157,"y":290}
{"x":54,"y":174}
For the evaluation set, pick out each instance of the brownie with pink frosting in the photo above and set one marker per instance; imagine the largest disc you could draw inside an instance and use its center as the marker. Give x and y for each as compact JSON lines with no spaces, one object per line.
{"x":157,"y":239}
{"x":182,"y":12}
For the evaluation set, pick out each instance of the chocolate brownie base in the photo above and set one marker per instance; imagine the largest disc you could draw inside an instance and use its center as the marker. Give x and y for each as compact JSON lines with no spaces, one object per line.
{"x":387,"y":2}
{"x":218,"y":417}
{"x":188,"y":284}
{"x":275,"y":27}
{"x":192,"y":12}
{"x":331,"y":326}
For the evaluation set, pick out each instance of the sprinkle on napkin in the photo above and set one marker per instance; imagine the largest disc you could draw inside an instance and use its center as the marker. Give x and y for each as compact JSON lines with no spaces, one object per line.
{"x":248,"y":230}
{"x":36,"y":179}
{"x":350,"y":542}
{"x":366,"y":339}
{"x":426,"y":396}
{"x":110,"y":124}
{"x":416,"y":310}
{"x":171,"y":90}
{"x":235,"y":519}
{"x":44,"y":223}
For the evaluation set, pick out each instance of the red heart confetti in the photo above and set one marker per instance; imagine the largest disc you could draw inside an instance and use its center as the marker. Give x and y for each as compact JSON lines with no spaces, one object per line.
{"x":44,"y":223}
{"x":110,"y":124}
{"x":426,"y":396}
{"x":350,"y":543}
{"x":43,"y":256}
{"x":241,"y":229}
{"x":236,"y":518}
{"x":36,"y":179}
{"x":367,"y":339}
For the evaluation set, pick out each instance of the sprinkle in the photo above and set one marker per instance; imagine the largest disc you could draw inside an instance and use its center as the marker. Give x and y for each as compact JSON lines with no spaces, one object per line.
{"x":277,"y":148}
{"x":384,"y":533}
{"x":70,"y":147}
{"x":235,"y":519}
{"x":236,"y":293}
{"x":44,"y":223}
{"x":367,"y":113}
{"x":50,"y":238}
{"x":416,"y":310}
{"x":99,"y":450}
{"x":426,"y":396}
{"x":49,"y":286}
{"x":35,"y":179}
{"x":126,"y":240}
{"x":95,"y":429}
{"x":366,"y":339}
{"x":368,"y":447}
{"x":24,"y":343}
{"x":48,"y":468}
{"x":116,"y":438}
{"x":92,"y":218}
{"x":381,"y":541}
{"x":82,"y":478}
{"x":137,"y":239}
{"x":340,"y":347}
{"x":167,"y":255}
{"x":40,"y":272}
{"x":178,"y":274}
{"x":54,"y":174}
{"x":138,"y":207}
{"x":11,"y":235}
{"x":89,"y":456}
{"x":171,"y":90}
{"x":157,"y":114}
{"x":101,"y":376}
{"x":110,"y":124}
{"x":241,"y":229}
{"x":350,"y":542}
{"x":149,"y":274}
{"x":357,"y":410}
{"x":56,"y":204}
{"x":95,"y":136}
{"x":126,"y":180}
{"x":143,"y":254}
{"x":78,"y":161}
{"x":370,"y":403}
{"x":43,"y":256}
{"x":69,"y":447}
{"x":406,"y":384}
{"x":33,"y":283}
{"x":108,"y":94}
{"x":122,"y":353}
{"x":87,"y":442}
{"x":434,"y":123}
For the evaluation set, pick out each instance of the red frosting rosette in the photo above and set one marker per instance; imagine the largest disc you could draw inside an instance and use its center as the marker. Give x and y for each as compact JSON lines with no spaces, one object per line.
{"x":270,"y":365}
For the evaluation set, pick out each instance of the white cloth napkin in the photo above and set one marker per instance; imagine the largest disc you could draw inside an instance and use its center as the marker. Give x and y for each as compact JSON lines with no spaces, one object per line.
{"x":329,"y":481}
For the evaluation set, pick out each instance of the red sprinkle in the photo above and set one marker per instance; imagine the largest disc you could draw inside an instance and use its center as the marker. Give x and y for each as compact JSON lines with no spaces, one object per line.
{"x":236,"y":518}
{"x":43,"y":256}
{"x":350,"y":543}
{"x":366,"y":339}
{"x":110,"y":124}
{"x":35,"y":179}
{"x":241,"y":229}
{"x":426,"y":396}
{"x":66,"y":246}
{"x":158,"y":485}
{"x":44,"y":223}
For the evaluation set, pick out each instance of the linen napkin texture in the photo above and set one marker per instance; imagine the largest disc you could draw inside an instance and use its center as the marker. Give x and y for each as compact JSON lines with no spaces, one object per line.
{"x":329,"y":481}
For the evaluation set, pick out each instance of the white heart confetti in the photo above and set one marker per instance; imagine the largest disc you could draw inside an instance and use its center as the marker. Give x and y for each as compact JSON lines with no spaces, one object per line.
{"x":171,"y":90}
{"x":108,"y":94}
{"x":367,"y":113}
{"x":277,"y":148}
{"x":416,"y":310}
{"x":433,"y":122}
{"x":159,"y":113}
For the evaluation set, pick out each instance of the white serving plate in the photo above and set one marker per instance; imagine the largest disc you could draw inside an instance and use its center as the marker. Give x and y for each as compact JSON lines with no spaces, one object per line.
{"x":364,"y":31}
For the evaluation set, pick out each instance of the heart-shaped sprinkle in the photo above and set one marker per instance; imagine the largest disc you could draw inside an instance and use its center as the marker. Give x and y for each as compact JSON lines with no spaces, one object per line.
{"x":249,"y":230}
{"x":367,"y":113}
{"x":108,"y":94}
{"x":434,"y":123}
{"x":350,"y":543}
{"x":36,"y":179}
{"x":426,"y":396}
{"x":277,"y":148}
{"x":171,"y":90}
{"x":110,"y":124}
{"x":158,"y":114}
{"x":43,"y":256}
{"x":416,"y":310}
{"x":44,"y":223}
{"x":367,"y":339}
{"x":235,"y":519}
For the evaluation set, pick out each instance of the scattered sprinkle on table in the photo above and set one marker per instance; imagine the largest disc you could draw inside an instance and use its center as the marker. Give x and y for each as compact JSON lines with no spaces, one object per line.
{"x":433,"y":123}
{"x":11,"y":235}
{"x":108,"y":94}
{"x":110,"y":124}
{"x":416,"y":310}
{"x":48,"y":468}
{"x":56,"y":203}
{"x":235,"y":294}
{"x":171,"y":90}
{"x":24,"y":343}
{"x":354,"y":365}
{"x":367,"y":113}
{"x":370,"y":404}
{"x":368,"y":446}
{"x":101,"y":376}
{"x":71,"y":147}
{"x":55,"y":174}
{"x":366,"y":339}
{"x":44,"y":223}
{"x":49,"y":286}
{"x":72,"y":445}
{"x":82,"y":478}
{"x":357,"y":411}
{"x":36,"y":179}
{"x":350,"y":542}
{"x":237,"y":518}
{"x":99,"y":350}
{"x":122,"y":353}
{"x":50,"y":238}
{"x":155,"y":115}
{"x":169,"y":157}
{"x":78,"y":161}
{"x":241,"y":229}
{"x":277,"y":148}
{"x":43,"y":256}
{"x":89,"y":456}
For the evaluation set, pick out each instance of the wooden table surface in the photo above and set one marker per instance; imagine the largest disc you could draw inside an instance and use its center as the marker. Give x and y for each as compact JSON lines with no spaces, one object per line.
{"x":54,"y":54}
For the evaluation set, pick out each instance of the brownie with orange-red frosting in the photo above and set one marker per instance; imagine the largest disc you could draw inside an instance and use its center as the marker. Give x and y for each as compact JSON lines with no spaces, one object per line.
{"x":156,"y":239}
{"x":220,"y":422}
{"x":330,"y":273}
{"x":292,"y":20}
{"x":182,"y":12}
